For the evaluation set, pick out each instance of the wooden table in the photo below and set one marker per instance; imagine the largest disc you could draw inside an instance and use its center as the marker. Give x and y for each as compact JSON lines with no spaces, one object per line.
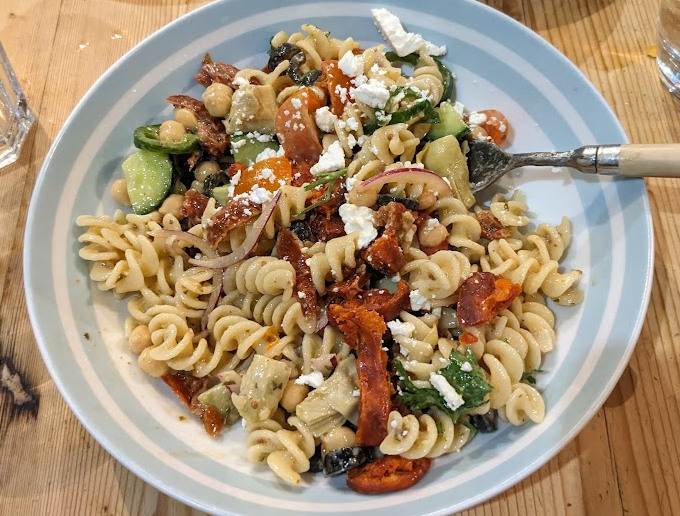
{"x":626,"y":460}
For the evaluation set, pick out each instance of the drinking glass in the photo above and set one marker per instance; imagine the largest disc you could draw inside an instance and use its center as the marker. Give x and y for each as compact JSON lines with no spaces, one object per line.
{"x":15,"y":116}
{"x":668,"y":53}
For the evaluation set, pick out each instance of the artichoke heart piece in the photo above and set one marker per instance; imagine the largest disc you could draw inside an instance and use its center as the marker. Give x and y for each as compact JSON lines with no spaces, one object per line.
{"x":445,"y":158}
{"x":253,"y":109}
{"x":219,"y":397}
{"x":261,"y":389}
{"x":330,"y":404}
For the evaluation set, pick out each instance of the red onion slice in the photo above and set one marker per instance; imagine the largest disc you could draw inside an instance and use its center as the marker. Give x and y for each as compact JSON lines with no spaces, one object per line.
{"x":193,"y":240}
{"x":214,"y":297}
{"x":252,"y":238}
{"x":366,"y":192}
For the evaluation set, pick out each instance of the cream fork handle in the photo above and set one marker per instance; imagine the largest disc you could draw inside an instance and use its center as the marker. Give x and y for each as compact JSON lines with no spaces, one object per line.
{"x":649,"y":160}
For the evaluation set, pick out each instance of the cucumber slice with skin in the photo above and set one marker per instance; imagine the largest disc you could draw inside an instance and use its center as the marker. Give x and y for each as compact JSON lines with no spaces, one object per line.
{"x":451,"y":123}
{"x":246,"y":149}
{"x":149,"y":177}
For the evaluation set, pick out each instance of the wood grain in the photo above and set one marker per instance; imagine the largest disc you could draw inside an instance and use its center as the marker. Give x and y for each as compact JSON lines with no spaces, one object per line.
{"x":625,"y":461}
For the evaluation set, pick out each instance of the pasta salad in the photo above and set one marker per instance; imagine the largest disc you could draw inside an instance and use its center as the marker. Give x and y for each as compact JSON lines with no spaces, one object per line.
{"x":304,"y":254}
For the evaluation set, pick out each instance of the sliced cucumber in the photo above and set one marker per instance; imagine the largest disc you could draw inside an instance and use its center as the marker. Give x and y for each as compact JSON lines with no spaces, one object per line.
{"x":149,"y":177}
{"x":451,"y":123}
{"x":220,"y":194}
{"x":246,"y":148}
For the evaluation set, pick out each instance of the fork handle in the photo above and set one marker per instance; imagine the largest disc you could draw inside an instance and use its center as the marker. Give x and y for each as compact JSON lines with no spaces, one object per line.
{"x":639,"y":160}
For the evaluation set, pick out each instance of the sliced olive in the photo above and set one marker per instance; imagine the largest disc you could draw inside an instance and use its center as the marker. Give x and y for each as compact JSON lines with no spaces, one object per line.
{"x":384,"y":200}
{"x":342,"y":460}
{"x":285,"y":51}
{"x":213,"y":181}
{"x":316,"y":461}
{"x":485,"y":423}
{"x":302,"y":230}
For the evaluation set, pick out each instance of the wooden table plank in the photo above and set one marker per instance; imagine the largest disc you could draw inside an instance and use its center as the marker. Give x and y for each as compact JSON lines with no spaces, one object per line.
{"x":623,"y":462}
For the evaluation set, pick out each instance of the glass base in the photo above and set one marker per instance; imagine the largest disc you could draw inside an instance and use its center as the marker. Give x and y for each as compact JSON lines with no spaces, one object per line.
{"x":668,"y":61}
{"x":14,"y":134}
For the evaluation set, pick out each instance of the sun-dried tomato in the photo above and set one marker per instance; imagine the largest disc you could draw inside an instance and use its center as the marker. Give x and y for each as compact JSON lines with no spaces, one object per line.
{"x":363,"y":330}
{"x":326,"y":229}
{"x":429,"y":251}
{"x":211,"y":72}
{"x":492,"y":229}
{"x":482,"y":296}
{"x":290,"y":249}
{"x":468,"y":338}
{"x":237,"y":212}
{"x":387,"y":474}
{"x":384,"y":254}
{"x":351,"y":286}
{"x":212,"y":420}
{"x":193,"y":206}
{"x":210,"y":131}
{"x":186,"y":387}
{"x":382,"y":301}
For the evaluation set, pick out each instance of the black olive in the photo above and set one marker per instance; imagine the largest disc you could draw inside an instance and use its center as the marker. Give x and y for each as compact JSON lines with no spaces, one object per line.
{"x":302,"y":230}
{"x":213,"y":181}
{"x":341,"y":460}
{"x":316,"y":461}
{"x":285,"y":51}
{"x":384,"y":199}
{"x":485,"y":423}
{"x":298,"y":77}
{"x":182,"y":168}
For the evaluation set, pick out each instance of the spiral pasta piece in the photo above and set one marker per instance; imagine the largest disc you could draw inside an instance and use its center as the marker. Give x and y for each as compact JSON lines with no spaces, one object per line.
{"x":287,"y":452}
{"x":429,"y":435}
{"x":261,"y":274}
{"x":326,"y":260}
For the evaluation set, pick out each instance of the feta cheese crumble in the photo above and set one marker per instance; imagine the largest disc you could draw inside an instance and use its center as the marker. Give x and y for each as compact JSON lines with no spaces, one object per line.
{"x":467,"y":367}
{"x":332,"y":159}
{"x":418,"y":301}
{"x":398,"y":327}
{"x":351,"y":65}
{"x":451,"y":396}
{"x":476,"y":118}
{"x":325,"y":120}
{"x":313,"y":379}
{"x":269,"y":153}
{"x":297,"y":103}
{"x":359,"y":219}
{"x":373,"y":92}
{"x":402,"y":42}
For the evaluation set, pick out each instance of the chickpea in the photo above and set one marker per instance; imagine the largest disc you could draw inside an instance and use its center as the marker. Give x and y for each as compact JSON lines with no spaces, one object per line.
{"x":186,"y":117}
{"x":431,"y":235}
{"x":426,"y":200}
{"x":217,"y":99}
{"x":293,"y":394}
{"x":179,"y":188}
{"x":197,"y":185}
{"x":205,"y":169}
{"x":171,"y":131}
{"x":151,"y":366}
{"x":119,"y":192}
{"x":139,"y":339}
{"x":336,"y":438}
{"x":172,"y":205}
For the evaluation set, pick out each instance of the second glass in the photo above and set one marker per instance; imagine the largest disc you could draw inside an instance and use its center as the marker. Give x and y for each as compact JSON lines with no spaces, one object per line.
{"x":15,"y":116}
{"x":668,"y":54}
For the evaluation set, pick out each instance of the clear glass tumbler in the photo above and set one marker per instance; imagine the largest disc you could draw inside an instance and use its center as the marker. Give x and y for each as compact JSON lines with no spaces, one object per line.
{"x":15,"y":116}
{"x":668,"y":53}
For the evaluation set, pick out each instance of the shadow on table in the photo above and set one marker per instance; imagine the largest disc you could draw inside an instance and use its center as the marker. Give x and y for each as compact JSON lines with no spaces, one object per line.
{"x":533,"y":13}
